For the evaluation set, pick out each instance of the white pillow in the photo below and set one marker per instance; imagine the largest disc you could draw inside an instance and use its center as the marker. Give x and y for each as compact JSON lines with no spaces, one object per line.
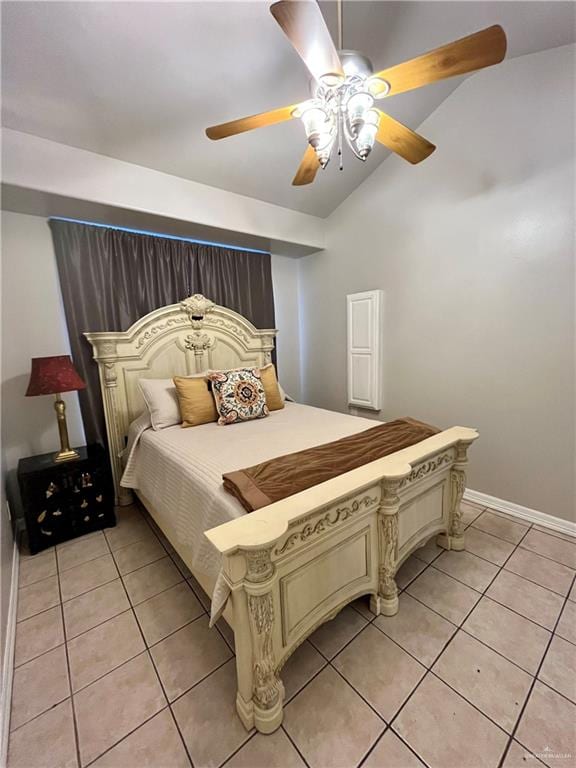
{"x":162,"y":401}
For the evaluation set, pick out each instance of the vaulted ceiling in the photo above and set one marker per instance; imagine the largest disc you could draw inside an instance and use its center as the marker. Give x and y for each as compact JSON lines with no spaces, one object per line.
{"x":140,"y":81}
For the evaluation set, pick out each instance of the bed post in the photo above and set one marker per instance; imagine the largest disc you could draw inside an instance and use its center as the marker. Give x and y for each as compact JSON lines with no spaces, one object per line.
{"x":386,"y":601}
{"x":454,"y":537}
{"x":114,"y":428}
{"x":267,"y":694}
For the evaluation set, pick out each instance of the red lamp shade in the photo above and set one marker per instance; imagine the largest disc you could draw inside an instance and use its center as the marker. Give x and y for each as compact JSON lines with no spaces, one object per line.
{"x":51,"y":375}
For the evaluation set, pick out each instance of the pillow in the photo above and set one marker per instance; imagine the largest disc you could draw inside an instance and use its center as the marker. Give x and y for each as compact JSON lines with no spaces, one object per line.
{"x":196,"y":402}
{"x":239,"y":395}
{"x":162,"y":401}
{"x":274,"y":398}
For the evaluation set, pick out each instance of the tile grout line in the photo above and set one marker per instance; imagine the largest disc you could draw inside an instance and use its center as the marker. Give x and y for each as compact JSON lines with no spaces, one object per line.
{"x":398,"y":736}
{"x":328,"y":662}
{"x":551,"y":687}
{"x":156,"y":672}
{"x":72,"y":703}
{"x":502,"y":567}
{"x":201,"y":680}
{"x":145,"y":650}
{"x":48,"y":650}
{"x":72,"y":693}
{"x":116,"y":743}
{"x":531,"y":527}
{"x":535,"y":678}
{"x":81,"y":594}
{"x":307,"y":683}
{"x":391,"y":724}
{"x":291,"y":740}
{"x":457,"y":629}
{"x":546,"y":557}
{"x":522,"y":576}
{"x":482,"y":594}
{"x":204,"y":613}
{"x":151,"y":660}
{"x":131,"y":607}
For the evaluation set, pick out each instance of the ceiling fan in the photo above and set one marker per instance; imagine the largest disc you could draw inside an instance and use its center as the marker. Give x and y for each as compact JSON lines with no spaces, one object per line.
{"x":345,"y":89}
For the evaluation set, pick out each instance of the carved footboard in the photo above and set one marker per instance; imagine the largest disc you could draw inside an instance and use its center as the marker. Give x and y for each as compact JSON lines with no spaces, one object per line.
{"x":295,"y":564}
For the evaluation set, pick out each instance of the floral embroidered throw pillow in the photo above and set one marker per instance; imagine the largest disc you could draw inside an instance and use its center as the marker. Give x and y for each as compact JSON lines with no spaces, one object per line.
{"x":239,"y":395}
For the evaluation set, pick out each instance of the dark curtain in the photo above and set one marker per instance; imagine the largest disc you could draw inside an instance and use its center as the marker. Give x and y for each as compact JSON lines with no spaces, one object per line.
{"x":110,"y":278}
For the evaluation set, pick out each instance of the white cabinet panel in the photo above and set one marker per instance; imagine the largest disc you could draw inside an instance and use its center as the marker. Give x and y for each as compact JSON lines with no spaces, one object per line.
{"x":365,"y":315}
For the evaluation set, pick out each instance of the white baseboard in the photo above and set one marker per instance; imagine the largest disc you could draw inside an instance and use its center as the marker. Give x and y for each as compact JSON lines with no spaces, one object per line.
{"x":8,"y":665}
{"x":523,"y":513}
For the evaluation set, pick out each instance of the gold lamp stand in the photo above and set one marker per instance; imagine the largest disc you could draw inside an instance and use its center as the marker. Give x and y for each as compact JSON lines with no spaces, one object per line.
{"x":65,"y":453}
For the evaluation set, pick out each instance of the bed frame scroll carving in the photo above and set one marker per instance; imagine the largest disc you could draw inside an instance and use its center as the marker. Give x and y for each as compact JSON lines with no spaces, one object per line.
{"x":295,"y":564}
{"x":176,"y":340}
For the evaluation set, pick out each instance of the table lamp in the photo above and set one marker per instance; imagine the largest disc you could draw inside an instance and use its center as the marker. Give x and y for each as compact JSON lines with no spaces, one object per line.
{"x":51,"y":376}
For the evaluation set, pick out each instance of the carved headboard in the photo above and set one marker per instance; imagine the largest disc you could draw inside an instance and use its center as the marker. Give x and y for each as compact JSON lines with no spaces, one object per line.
{"x":177,"y":340}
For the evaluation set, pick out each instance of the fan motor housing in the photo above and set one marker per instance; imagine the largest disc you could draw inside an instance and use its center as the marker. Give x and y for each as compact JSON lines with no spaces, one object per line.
{"x":355,"y":63}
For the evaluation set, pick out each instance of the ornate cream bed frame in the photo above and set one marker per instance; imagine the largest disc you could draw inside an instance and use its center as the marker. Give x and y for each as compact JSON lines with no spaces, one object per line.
{"x":295,"y":564}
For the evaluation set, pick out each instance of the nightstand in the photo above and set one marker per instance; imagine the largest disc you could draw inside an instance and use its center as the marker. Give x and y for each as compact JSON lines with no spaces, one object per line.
{"x":67,"y":499}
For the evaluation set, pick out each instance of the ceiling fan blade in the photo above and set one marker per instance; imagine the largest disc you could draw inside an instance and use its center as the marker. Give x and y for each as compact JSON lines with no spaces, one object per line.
{"x":249,"y":123}
{"x":303,"y":24}
{"x":476,"y":51}
{"x":307,"y":169}
{"x":400,"y":139}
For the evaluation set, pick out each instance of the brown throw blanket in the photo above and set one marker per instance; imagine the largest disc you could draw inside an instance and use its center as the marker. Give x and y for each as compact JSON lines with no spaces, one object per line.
{"x":278,"y":478}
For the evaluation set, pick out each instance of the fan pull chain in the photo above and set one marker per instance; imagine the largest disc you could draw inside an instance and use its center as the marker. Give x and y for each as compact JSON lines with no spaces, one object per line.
{"x":340,"y":131}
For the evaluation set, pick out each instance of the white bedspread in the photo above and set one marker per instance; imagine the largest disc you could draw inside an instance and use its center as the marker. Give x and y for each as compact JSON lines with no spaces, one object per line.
{"x":180,"y":470}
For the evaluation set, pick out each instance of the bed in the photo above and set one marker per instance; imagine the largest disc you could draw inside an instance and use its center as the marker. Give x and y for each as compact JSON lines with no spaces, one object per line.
{"x":279,"y":572}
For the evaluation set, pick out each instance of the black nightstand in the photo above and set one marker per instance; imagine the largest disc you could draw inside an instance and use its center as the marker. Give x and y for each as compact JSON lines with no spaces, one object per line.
{"x":65,"y":500}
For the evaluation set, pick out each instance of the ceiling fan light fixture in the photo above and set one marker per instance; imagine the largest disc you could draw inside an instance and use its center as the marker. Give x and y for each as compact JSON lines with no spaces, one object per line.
{"x":317,"y":124}
{"x":324,"y":152}
{"x":367,"y":133}
{"x":331,"y":79}
{"x":378,"y":87}
{"x":356,"y":108}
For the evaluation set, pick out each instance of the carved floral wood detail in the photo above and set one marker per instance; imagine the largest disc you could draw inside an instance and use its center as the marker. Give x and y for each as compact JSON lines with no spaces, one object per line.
{"x":231,"y":328}
{"x":389,"y":539}
{"x":158,"y":328}
{"x":198,"y":342}
{"x":458,"y":484}
{"x":259,"y":565}
{"x":331,"y":518}
{"x":427,"y":467}
{"x":267,"y":686}
{"x":196,"y":307}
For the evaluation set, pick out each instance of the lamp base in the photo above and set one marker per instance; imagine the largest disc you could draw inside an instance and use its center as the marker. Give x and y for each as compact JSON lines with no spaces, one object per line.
{"x":68,"y":455}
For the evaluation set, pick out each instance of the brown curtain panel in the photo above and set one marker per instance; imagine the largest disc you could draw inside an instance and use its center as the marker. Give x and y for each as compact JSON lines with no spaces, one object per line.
{"x":110,"y":278}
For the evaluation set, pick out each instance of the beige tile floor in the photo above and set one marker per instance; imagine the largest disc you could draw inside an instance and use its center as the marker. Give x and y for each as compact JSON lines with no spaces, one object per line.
{"x":115,"y":665}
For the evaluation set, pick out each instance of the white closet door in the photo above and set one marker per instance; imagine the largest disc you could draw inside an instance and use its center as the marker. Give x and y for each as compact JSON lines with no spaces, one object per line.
{"x":365,"y":311}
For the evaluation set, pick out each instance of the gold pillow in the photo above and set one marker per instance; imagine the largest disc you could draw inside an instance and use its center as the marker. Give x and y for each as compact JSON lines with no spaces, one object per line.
{"x":196,"y":401}
{"x":274,"y":399}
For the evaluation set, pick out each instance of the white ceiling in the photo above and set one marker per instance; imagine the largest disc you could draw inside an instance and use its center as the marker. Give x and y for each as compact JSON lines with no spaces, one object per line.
{"x":141,"y":81}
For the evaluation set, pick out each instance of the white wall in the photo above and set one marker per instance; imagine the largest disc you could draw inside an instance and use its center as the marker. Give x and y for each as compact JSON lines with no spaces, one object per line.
{"x":33,"y":325}
{"x":474,"y":249}
{"x":35,"y":164}
{"x":285,"y":282}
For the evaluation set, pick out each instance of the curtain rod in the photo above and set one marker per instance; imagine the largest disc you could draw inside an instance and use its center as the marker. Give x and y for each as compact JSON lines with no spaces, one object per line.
{"x":157,"y":234}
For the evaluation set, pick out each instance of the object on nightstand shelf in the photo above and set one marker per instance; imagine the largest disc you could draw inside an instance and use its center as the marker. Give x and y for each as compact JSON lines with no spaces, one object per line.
{"x":65,"y":500}
{"x":51,"y":376}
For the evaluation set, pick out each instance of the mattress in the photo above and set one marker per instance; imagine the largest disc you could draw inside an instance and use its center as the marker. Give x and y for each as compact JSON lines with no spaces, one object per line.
{"x":179,"y":471}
